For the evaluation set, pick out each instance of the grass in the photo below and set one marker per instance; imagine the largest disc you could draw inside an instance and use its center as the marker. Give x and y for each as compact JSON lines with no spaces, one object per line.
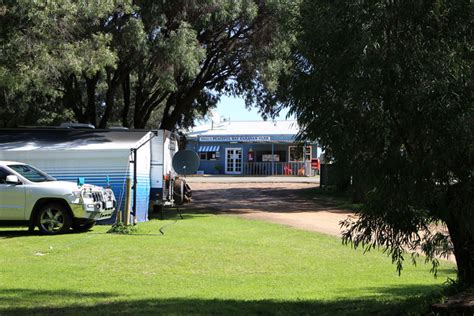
{"x":205,"y":264}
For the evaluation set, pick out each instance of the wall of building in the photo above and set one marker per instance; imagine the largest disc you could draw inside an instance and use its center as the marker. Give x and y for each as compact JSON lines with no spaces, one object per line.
{"x":217,"y":166}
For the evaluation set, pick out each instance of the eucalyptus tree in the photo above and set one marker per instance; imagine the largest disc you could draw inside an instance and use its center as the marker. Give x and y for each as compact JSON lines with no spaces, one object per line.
{"x":199,"y":50}
{"x":22,"y":82}
{"x":386,"y":87}
{"x":129,"y":61}
{"x":53,"y":55}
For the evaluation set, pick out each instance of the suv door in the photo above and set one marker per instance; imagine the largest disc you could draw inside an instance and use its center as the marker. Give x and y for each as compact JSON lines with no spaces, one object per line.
{"x":12,"y":198}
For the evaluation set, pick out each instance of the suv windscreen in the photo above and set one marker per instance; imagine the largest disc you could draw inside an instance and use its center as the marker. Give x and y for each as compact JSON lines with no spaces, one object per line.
{"x":30,"y":173}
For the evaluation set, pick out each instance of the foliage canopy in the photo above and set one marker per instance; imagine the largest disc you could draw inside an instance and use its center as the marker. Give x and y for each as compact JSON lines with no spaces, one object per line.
{"x":386,"y":86}
{"x":141,"y":63}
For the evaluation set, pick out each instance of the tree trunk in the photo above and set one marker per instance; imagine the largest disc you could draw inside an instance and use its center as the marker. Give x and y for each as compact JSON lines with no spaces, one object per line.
{"x":170,"y":117}
{"x":182,"y":104}
{"x":145,"y":104}
{"x":109,"y":105}
{"x":72,"y":98}
{"x":460,"y":224}
{"x":463,"y":242}
{"x":112,"y":82}
{"x":138,"y":115}
{"x":139,"y":121}
{"x":126,"y":100}
{"x":359,"y":188}
{"x":91,"y":110}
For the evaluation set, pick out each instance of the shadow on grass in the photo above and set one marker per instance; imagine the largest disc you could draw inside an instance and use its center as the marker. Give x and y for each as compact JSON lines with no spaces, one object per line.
{"x":15,"y":232}
{"x":7,"y":232}
{"x":22,"y":296}
{"x":386,"y":301}
{"x":187,"y":212}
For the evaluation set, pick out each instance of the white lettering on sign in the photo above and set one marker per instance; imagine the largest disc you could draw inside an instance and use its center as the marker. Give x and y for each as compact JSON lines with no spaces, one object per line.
{"x":234,"y":138}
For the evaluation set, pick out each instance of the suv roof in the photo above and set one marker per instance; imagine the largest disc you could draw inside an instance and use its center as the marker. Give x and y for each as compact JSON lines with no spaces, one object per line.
{"x":6,"y":162}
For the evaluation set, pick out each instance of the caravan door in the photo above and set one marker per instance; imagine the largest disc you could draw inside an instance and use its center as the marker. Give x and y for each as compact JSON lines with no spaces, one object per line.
{"x":163,"y":148}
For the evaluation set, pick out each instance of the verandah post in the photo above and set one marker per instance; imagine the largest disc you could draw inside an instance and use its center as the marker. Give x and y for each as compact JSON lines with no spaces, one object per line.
{"x":273,"y":159}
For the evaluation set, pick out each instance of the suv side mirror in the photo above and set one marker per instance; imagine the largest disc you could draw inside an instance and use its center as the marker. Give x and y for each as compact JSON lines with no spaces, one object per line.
{"x":12,"y":179}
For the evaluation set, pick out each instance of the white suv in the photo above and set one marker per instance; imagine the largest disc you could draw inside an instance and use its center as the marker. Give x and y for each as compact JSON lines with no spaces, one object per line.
{"x":30,"y":196}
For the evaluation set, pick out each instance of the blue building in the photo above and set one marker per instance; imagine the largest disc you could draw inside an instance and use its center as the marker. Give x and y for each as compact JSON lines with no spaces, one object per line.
{"x":252,"y":148}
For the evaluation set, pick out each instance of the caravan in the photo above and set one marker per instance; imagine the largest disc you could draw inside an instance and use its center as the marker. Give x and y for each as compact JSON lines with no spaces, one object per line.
{"x":103,"y":157}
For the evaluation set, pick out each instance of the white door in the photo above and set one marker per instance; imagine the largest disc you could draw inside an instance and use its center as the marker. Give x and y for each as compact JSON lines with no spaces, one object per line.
{"x":12,"y":199}
{"x":233,"y":160}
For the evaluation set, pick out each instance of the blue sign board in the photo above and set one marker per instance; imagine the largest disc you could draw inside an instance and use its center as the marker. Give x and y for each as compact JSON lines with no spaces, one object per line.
{"x":248,"y":138}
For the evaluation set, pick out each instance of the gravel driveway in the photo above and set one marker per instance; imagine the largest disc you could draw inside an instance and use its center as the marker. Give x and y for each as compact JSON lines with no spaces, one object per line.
{"x":284,"y":203}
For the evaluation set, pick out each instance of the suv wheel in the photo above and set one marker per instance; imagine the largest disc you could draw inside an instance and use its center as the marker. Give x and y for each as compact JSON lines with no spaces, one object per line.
{"x":53,"y":219}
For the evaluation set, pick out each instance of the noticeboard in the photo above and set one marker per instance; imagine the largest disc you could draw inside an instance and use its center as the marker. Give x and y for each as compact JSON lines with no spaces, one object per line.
{"x":268,"y":157}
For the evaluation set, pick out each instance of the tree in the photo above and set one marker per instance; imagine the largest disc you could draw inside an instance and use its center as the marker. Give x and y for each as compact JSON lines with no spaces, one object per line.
{"x":53,"y":53}
{"x":386,"y":87}
{"x":199,"y":50}
{"x":129,"y":61}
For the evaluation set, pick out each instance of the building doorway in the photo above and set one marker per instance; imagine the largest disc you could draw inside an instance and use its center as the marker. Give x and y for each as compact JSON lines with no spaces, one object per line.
{"x":233,"y":160}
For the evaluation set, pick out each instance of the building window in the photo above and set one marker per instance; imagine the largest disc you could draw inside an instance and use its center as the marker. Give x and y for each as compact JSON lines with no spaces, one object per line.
{"x":308,"y":153}
{"x":299,"y":153}
{"x":209,"y":155}
{"x":209,"y":152}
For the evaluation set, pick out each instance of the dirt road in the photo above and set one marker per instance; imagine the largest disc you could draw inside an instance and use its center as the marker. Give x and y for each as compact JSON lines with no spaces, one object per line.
{"x":289,"y":204}
{"x":284,"y":203}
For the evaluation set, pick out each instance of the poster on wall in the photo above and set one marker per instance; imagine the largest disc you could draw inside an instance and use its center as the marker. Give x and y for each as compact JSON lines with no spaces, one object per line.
{"x":267,"y":158}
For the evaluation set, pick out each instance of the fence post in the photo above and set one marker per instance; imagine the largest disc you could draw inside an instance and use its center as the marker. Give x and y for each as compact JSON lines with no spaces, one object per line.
{"x":273,"y":159}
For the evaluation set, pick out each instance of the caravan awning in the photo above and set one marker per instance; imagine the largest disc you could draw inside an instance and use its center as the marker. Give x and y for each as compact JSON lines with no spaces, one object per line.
{"x":208,"y":149}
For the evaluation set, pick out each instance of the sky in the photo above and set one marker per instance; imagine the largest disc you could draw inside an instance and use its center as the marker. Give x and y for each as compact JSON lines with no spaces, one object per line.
{"x":235,"y":109}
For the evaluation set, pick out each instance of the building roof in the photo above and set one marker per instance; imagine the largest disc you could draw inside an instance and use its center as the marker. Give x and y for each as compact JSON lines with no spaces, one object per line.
{"x":246,"y":128}
{"x":25,"y":139}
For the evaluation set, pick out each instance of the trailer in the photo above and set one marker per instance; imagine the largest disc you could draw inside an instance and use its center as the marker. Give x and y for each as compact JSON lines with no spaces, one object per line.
{"x":105,"y":158}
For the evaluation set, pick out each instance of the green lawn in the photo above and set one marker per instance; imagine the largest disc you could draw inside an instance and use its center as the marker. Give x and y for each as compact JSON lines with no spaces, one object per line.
{"x":205,"y":264}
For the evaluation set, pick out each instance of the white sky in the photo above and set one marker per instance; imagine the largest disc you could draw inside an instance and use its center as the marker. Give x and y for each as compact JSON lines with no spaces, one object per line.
{"x":235,"y":109}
